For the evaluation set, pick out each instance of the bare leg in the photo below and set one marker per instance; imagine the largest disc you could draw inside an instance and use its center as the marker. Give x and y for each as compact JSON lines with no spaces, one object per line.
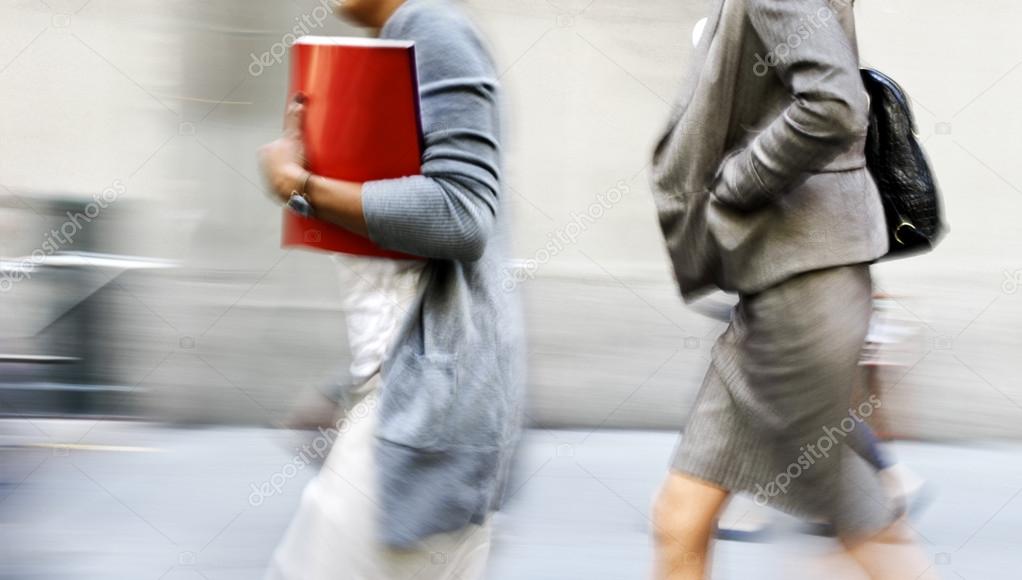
{"x":891,"y":555}
{"x":684,"y":518}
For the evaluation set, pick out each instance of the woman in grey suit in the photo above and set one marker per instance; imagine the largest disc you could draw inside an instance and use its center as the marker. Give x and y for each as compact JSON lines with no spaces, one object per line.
{"x":762,"y":190}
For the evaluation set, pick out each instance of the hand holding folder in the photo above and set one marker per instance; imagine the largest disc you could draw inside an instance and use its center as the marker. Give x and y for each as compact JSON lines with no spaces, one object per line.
{"x":361,"y":124}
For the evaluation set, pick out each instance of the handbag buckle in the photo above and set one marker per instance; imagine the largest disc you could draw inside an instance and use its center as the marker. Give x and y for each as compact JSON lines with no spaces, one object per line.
{"x":897,"y":230}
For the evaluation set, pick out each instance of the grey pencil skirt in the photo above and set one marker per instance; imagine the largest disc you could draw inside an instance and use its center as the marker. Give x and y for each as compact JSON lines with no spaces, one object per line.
{"x":773,"y":416}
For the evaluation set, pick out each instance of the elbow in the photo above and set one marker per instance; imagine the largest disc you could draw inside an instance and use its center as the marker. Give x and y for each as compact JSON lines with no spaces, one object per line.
{"x":468,"y":241}
{"x":836,"y":118}
{"x":849,"y":117}
{"x":471,"y":219}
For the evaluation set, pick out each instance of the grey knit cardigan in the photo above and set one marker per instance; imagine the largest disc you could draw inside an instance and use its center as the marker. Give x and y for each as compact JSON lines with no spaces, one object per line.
{"x":452,"y":382}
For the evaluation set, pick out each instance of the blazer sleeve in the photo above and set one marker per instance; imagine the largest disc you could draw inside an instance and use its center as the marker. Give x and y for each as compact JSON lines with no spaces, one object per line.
{"x":812,"y":55}
{"x":450,"y":210}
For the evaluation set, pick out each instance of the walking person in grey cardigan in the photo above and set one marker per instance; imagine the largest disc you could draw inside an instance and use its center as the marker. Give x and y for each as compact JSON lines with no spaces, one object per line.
{"x":762,"y":190}
{"x":421,"y":471}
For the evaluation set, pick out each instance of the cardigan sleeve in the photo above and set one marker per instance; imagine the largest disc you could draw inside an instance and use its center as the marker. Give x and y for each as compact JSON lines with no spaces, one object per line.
{"x":449,"y":211}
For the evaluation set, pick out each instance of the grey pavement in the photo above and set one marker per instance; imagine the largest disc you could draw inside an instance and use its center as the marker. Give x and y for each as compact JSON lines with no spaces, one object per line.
{"x":114,"y":500}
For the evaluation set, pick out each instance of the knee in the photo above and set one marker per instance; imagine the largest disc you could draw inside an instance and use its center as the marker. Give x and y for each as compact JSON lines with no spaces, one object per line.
{"x":898,"y":533}
{"x":678,"y":517}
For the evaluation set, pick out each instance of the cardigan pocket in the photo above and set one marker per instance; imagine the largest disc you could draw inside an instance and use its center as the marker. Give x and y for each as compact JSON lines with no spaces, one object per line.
{"x":416,"y":397}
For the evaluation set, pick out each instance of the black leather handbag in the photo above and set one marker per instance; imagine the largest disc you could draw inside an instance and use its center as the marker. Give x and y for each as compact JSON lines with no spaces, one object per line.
{"x":899,"y":167}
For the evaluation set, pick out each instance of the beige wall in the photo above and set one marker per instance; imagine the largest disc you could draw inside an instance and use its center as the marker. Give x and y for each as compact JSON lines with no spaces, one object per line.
{"x":159,"y":95}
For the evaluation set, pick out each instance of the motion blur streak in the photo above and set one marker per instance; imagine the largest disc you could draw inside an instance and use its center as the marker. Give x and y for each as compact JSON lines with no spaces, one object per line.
{"x":154,"y":337}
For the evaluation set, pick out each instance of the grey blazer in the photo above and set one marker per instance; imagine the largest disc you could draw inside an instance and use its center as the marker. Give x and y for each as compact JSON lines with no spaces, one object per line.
{"x":760,"y":173}
{"x":452,"y":383}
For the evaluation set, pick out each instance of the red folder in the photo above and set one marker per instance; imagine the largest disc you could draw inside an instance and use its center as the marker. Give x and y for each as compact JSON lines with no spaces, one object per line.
{"x":361,"y":124}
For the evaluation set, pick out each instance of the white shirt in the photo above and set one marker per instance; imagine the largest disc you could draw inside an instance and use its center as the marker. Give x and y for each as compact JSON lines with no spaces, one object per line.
{"x":376,"y":294}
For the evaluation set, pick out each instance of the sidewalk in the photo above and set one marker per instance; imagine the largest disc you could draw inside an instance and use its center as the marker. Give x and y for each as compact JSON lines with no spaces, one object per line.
{"x":136,"y":501}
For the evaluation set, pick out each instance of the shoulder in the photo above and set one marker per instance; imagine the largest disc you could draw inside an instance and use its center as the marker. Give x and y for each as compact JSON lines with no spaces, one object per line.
{"x":814,"y":11}
{"x":444,"y":36}
{"x":418,"y":15}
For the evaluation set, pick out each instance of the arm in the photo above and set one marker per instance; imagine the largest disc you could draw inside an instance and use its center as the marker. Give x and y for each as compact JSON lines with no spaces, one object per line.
{"x":338,"y":202}
{"x":449,"y":211}
{"x":827,"y":114}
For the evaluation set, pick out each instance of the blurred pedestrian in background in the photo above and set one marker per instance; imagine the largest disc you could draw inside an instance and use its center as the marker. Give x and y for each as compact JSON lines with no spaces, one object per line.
{"x":437,"y":344}
{"x":762,"y":189}
{"x":887,"y":345}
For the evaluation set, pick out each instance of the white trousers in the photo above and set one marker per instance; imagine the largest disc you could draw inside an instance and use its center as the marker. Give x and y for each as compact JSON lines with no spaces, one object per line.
{"x":333,"y":536}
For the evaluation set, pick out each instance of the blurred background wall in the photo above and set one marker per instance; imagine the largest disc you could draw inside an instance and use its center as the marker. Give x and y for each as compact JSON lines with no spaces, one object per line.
{"x":170,"y":99}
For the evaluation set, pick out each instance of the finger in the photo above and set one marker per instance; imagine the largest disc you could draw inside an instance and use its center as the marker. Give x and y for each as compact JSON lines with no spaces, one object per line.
{"x":295,"y":115}
{"x":293,"y":120}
